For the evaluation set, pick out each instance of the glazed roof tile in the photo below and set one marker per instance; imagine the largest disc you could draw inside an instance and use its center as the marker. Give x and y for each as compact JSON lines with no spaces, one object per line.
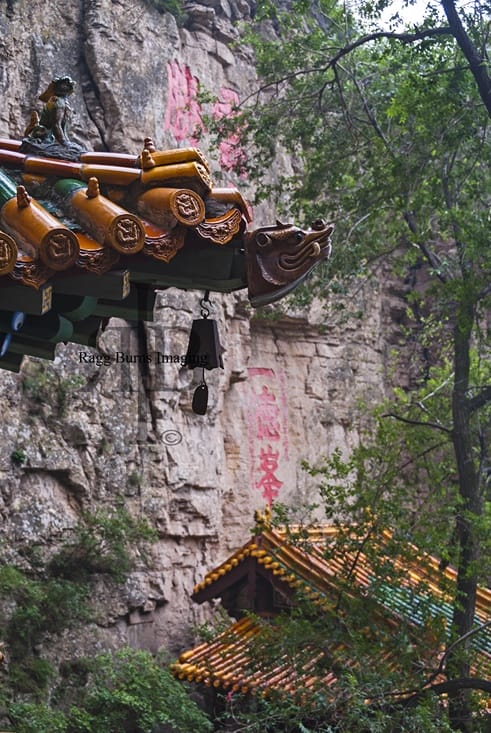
{"x":104,"y":228}
{"x":77,"y":226}
{"x":303,"y":564}
{"x":228,"y":662}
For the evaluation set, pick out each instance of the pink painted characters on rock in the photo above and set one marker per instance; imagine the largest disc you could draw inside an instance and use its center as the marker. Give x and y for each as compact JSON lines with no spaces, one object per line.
{"x":232,"y":154}
{"x":268,"y":443}
{"x":183,"y":111}
{"x":184,"y":116}
{"x":269,"y":484}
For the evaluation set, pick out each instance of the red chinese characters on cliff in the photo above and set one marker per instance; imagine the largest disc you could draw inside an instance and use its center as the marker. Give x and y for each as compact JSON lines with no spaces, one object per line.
{"x":268,"y":441}
{"x":184,"y":114}
{"x":232,"y":155}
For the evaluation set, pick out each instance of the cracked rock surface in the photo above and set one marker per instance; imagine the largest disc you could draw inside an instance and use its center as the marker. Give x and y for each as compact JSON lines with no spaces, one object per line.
{"x":79,"y":435}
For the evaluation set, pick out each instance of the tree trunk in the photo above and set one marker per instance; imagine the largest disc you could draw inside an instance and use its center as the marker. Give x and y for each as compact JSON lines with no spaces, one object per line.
{"x":469,"y":510}
{"x":478,"y":63}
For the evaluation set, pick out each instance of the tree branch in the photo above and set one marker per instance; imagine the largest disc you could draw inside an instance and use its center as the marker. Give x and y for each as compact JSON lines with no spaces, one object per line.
{"x":431,"y":257}
{"x":484,"y":292}
{"x":346,"y":50}
{"x":371,"y":117}
{"x":480,"y":399}
{"x":456,"y":643}
{"x":410,"y":698}
{"x":420,"y":423}
{"x":477,"y":63}
{"x":403,"y":37}
{"x":461,"y":683}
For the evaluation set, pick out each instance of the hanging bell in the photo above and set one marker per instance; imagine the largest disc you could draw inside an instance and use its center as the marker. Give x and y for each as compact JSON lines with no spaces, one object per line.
{"x":204,"y":351}
{"x":204,"y":348}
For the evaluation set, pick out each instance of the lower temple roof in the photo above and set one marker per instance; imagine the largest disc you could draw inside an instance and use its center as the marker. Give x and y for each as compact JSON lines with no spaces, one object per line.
{"x":227,"y":663}
{"x":291,"y":562}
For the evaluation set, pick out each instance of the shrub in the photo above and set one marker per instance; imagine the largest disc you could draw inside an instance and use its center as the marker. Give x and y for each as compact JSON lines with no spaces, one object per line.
{"x":127,"y":692}
{"x":30,"y":718}
{"x":18,"y":457}
{"x":42,"y":606}
{"x":175,"y":7}
{"x":130,"y":692}
{"x":32,"y":676}
{"x":102,"y":543}
{"x":43,"y":386}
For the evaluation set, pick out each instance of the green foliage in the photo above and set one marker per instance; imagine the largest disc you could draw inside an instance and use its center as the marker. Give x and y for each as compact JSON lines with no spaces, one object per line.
{"x":135,"y":479}
{"x":127,"y":691}
{"x":104,"y":542}
{"x":47,"y":388}
{"x":31,"y":676}
{"x":175,"y":7}
{"x":391,"y":133}
{"x":36,"y":718}
{"x":395,"y":478}
{"x":321,"y":712}
{"x":41,"y":606}
{"x":130,"y":691}
{"x":210,"y":629}
{"x":18,"y":456}
{"x":402,"y":476}
{"x":388,"y":131}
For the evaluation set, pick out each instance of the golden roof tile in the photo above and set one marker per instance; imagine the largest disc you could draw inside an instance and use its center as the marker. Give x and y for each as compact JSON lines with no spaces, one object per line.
{"x":69,"y":210}
{"x":305,"y":566}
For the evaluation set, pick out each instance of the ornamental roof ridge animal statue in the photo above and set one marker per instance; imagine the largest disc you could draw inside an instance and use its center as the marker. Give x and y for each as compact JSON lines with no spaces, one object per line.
{"x":109,"y":229}
{"x":284,"y":255}
{"x":47,"y":134}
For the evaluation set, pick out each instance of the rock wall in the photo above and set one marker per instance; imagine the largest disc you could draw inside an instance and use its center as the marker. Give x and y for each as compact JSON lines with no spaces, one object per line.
{"x":138,"y":74}
{"x":95,"y":428}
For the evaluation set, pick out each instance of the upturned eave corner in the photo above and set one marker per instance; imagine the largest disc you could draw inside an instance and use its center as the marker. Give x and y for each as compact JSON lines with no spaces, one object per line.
{"x":75,"y":222}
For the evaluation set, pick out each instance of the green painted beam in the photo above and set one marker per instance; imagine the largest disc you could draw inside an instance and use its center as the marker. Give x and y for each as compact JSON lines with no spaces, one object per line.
{"x":50,"y":327}
{"x":86,"y":332}
{"x":32,"y":347}
{"x":8,"y":188}
{"x":74,"y":307}
{"x":138,"y":306}
{"x":29,"y":300}
{"x":114,"y":285}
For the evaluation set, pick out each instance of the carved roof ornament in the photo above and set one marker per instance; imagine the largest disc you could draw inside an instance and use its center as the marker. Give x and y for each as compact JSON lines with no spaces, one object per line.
{"x":108,"y":225}
{"x":263,"y":519}
{"x":47,"y":133}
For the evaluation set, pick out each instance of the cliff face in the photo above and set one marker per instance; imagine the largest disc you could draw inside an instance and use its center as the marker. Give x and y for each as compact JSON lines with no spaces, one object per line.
{"x":137,"y":73}
{"x":94,"y":429}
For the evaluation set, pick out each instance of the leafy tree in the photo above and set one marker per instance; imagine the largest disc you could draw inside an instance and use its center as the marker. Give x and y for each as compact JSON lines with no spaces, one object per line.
{"x":390,"y":129}
{"x":128,"y":691}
